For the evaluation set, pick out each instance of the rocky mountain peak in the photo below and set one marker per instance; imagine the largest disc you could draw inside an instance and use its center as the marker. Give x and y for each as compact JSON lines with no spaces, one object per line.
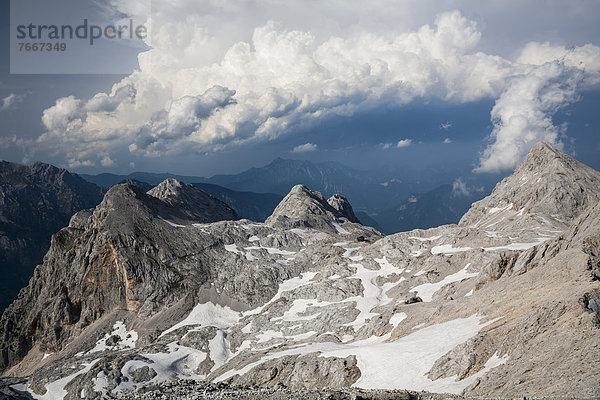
{"x":342,"y":206}
{"x":168,"y":188}
{"x":39,"y":166}
{"x":196,"y":203}
{"x":545,"y":155}
{"x":303,"y":207}
{"x":550,"y":188}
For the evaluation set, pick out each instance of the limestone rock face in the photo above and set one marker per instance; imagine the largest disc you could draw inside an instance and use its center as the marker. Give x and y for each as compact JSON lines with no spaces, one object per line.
{"x":304,"y":208}
{"x":549,"y":188}
{"x":197,"y":204}
{"x":35,"y":202}
{"x":139,"y":294}
{"x":343,"y":207}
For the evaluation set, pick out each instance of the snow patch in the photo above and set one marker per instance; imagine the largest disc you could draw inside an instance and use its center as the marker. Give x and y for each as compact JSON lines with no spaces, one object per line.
{"x":427,"y":290}
{"x":383,"y":365}
{"x":208,"y":314}
{"x":56,"y":390}
{"x":268,"y":335}
{"x":124,"y":339}
{"x":517,"y":246}
{"x":171,"y":223}
{"x":425,"y":239}
{"x":178,"y":360}
{"x":219,"y":349}
{"x":285,"y":286}
{"x":339,"y":228}
{"x":372,"y":295}
{"x":494,"y":210}
{"x":448,"y":249}
{"x":299,"y":232}
{"x":396,"y":319}
{"x":232,"y":248}
{"x":100,"y":382}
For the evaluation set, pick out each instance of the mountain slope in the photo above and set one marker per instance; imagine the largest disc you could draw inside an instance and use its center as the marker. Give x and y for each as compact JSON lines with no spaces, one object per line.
{"x":312,"y":300}
{"x":35,"y":202}
{"x":549,"y":189}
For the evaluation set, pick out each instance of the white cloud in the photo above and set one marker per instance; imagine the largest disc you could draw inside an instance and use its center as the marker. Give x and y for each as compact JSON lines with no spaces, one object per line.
{"x":303,"y":148}
{"x":404,"y":143}
{"x":80,"y":163}
{"x":107,"y":162}
{"x":459,"y":188}
{"x":10,"y":101}
{"x":522,"y":115}
{"x":387,"y":146}
{"x":219,"y":75}
{"x":446,"y":125}
{"x":447,"y":141}
{"x":61,"y":114}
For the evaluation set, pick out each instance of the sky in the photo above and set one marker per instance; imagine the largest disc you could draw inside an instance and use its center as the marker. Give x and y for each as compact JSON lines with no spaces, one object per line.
{"x":220,"y":86}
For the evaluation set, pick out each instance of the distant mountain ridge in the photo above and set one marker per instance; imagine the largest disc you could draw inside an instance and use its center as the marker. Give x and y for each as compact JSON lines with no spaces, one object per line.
{"x":375,"y":192}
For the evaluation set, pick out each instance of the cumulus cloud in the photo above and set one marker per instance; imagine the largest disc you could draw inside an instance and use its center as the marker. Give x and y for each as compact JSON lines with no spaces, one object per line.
{"x":447,"y":141}
{"x":404,"y":143}
{"x":522,"y":115}
{"x":202,"y":89}
{"x":10,"y":101}
{"x":303,"y":148}
{"x":75,"y":163}
{"x":459,"y":188}
{"x":107,"y":162}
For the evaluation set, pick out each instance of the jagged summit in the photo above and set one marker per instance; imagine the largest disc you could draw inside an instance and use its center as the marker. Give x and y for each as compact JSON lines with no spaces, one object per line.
{"x":549,"y":189}
{"x":342,"y":206}
{"x":196,"y":203}
{"x":544,"y":154}
{"x":303,"y":207}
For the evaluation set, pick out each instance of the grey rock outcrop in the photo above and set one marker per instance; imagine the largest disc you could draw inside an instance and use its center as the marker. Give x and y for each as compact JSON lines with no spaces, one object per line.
{"x":305,"y":208}
{"x":343,"y":207}
{"x":35,"y":202}
{"x":198,"y":205}
{"x":549,"y":188}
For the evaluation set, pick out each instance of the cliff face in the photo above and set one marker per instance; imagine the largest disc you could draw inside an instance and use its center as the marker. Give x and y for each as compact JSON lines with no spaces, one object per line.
{"x":35,"y":202}
{"x":143,"y":290}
